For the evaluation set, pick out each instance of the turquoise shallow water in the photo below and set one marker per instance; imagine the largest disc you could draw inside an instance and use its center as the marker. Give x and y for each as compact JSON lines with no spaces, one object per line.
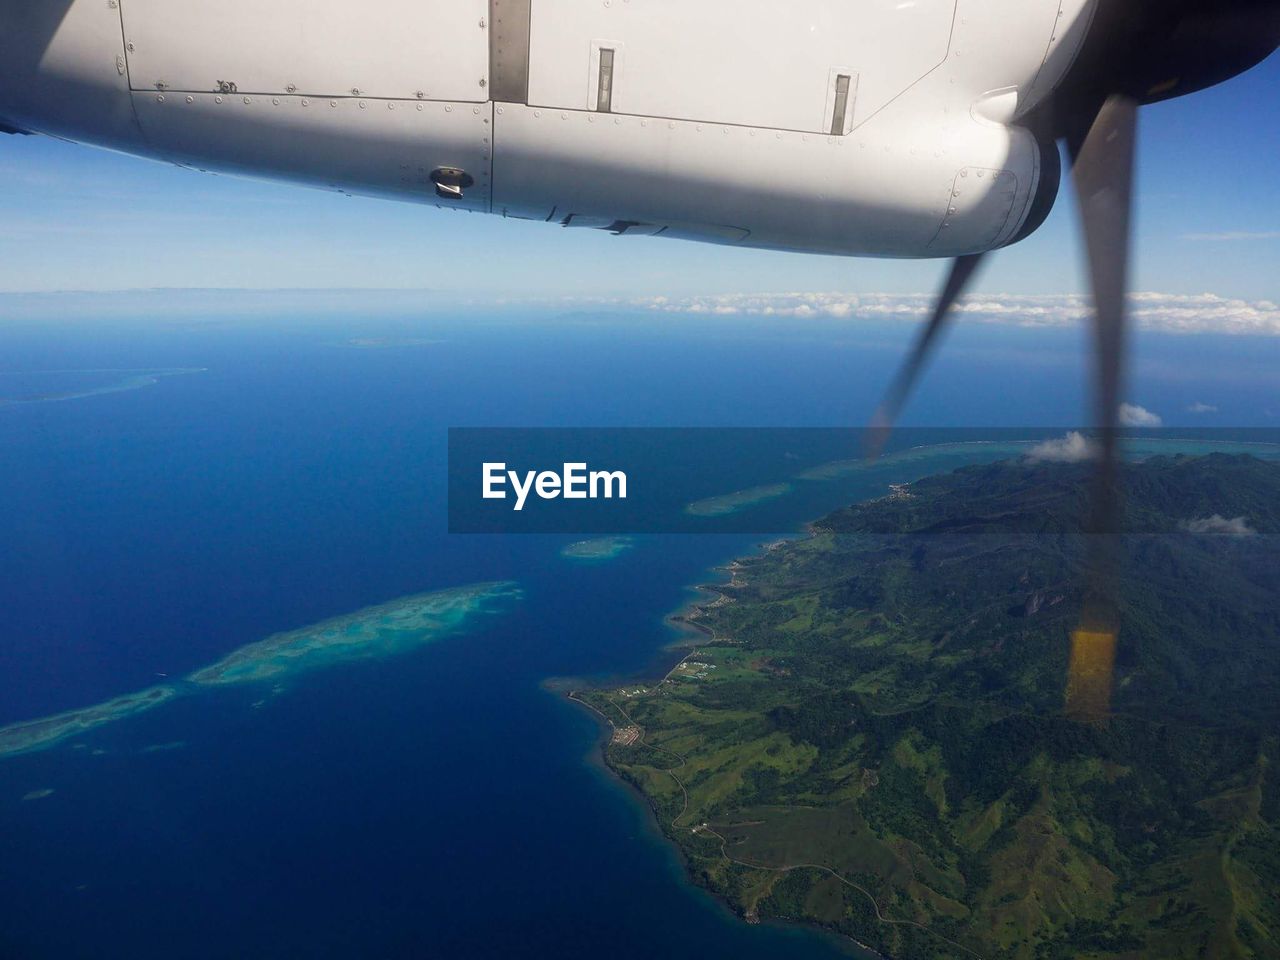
{"x":434,"y":801}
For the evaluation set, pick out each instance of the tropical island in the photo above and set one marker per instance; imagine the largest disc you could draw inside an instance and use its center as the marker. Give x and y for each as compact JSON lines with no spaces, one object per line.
{"x":378,"y":631}
{"x":730,"y":503}
{"x":97,"y":383}
{"x":597,"y":550}
{"x":47,"y":731}
{"x":898,"y":729}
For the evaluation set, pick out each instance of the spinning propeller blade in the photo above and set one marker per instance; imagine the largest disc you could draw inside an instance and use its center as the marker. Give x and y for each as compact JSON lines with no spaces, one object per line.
{"x":1102,"y":151}
{"x":962,"y":273}
{"x":1103,"y":170}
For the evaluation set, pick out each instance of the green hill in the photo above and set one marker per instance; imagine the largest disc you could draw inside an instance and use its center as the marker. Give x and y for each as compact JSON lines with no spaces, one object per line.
{"x":881,"y":736}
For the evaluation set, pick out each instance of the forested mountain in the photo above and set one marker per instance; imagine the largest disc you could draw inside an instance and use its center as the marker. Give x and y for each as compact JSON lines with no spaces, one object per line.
{"x":886,"y":734}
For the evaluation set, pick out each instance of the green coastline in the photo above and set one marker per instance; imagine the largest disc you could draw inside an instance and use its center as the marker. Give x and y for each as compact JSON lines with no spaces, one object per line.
{"x":872,"y":736}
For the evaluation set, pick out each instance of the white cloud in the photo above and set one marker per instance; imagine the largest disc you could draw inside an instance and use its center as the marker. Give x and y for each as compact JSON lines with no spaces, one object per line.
{"x":1220,"y":526}
{"x":1073,"y":448}
{"x":1199,"y":407}
{"x":1160,"y":312}
{"x":1132,"y":415}
{"x":1229,"y":235}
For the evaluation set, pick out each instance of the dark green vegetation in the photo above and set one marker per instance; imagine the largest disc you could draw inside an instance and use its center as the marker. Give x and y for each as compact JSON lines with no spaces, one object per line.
{"x":878,"y":737}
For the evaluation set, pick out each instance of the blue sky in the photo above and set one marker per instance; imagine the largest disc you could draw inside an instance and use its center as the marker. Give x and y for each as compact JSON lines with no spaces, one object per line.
{"x":74,"y":218}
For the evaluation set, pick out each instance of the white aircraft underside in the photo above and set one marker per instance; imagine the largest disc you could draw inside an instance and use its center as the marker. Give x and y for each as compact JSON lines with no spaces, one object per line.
{"x":864,"y":127}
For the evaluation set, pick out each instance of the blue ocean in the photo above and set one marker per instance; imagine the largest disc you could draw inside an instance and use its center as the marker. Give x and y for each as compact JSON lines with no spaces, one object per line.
{"x":171,"y":491}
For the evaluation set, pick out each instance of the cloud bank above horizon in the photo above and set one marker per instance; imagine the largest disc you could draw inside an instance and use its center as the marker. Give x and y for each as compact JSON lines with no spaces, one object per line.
{"x":1160,"y":312}
{"x":1156,"y":312}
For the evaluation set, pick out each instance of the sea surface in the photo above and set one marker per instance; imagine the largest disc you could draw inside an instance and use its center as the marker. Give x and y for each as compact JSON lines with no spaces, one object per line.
{"x":173,"y":491}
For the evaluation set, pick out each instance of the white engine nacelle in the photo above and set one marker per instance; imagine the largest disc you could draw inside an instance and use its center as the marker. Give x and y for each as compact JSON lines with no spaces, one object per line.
{"x":878,"y":127}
